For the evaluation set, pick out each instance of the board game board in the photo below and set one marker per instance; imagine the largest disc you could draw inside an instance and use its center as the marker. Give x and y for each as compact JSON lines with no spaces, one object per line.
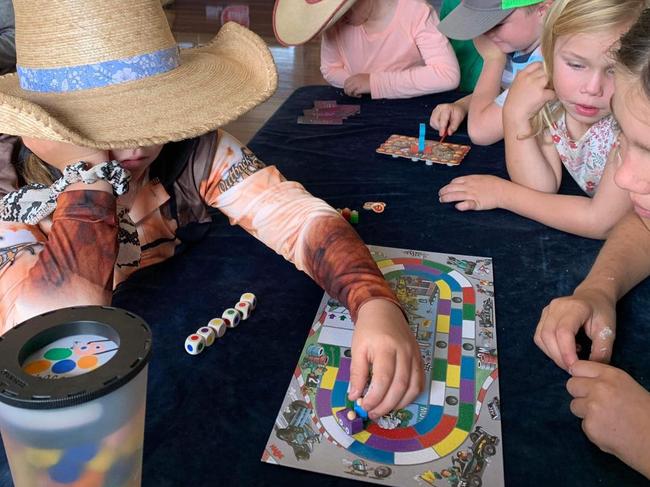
{"x":450,"y":436}
{"x":434,"y":152}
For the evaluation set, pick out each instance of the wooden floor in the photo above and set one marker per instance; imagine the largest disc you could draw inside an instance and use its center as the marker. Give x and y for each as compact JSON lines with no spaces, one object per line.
{"x":195,"y":22}
{"x":297,"y":66}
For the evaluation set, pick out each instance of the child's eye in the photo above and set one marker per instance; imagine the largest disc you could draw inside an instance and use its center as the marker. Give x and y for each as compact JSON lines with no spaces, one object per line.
{"x":575,"y":65}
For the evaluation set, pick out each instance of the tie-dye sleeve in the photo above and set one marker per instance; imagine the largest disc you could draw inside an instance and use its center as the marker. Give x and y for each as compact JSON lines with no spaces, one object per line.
{"x":303,"y":229}
{"x":72,"y":265}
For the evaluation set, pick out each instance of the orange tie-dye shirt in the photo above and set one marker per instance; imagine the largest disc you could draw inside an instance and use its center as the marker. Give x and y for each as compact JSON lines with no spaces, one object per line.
{"x":70,"y":259}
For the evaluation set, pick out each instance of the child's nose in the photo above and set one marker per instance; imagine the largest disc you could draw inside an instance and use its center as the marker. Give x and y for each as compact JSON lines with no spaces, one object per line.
{"x":594,"y":85}
{"x":629,"y":177}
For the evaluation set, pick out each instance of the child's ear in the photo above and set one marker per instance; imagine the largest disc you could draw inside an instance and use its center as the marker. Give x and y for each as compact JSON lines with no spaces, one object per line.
{"x":543,"y":7}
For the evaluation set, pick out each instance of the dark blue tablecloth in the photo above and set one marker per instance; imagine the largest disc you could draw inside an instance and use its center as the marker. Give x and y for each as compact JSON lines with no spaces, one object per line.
{"x":209,"y":417}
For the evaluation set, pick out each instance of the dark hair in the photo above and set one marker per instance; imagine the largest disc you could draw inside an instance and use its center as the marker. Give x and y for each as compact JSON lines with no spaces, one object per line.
{"x":634,"y":53}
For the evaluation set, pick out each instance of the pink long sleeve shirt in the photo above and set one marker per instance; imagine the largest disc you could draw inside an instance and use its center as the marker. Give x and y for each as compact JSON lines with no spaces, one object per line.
{"x":409,"y":58}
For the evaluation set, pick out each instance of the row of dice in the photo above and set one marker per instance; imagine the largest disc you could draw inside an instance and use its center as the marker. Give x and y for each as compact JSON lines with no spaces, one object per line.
{"x":216,"y":328}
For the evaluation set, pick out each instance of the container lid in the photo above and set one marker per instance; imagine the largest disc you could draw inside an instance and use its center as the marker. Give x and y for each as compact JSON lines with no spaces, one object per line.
{"x":22,"y":381}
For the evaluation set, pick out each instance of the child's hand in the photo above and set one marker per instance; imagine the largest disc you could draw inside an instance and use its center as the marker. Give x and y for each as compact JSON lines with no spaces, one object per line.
{"x":478,"y":192}
{"x":61,"y":154}
{"x":614,"y":411}
{"x":488,"y":50}
{"x":528,"y":93}
{"x":563,"y":317}
{"x":382,"y":339}
{"x":357,"y":85}
{"x":446,"y":118}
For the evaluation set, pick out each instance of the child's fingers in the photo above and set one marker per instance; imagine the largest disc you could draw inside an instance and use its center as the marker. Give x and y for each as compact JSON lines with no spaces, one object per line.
{"x":359,"y":370}
{"x":416,"y":383}
{"x":456,"y":119}
{"x":443,"y":121}
{"x":383,"y":369}
{"x":567,"y":346}
{"x":467,"y":205}
{"x":579,"y":407}
{"x":398,"y":387}
{"x":579,"y":386}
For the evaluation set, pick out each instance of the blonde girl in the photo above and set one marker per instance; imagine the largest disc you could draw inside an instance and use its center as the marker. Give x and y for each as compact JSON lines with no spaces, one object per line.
{"x":558,"y":115}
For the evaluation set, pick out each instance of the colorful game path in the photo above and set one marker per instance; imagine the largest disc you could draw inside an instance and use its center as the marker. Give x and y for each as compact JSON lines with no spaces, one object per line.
{"x":447,"y":409}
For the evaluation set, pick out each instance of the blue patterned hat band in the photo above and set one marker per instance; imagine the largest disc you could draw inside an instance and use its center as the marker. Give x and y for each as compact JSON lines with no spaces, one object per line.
{"x":98,"y":75}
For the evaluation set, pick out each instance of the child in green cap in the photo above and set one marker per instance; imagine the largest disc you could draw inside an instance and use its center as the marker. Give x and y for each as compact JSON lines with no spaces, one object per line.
{"x":507,"y":35}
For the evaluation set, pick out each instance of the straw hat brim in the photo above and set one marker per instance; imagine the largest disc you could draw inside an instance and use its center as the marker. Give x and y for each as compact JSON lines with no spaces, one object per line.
{"x":297,"y":21}
{"x":214,"y":85}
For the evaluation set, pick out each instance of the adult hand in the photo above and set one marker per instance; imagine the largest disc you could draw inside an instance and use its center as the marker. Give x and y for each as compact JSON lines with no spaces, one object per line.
{"x":357,"y":85}
{"x":477,"y":192}
{"x":383,"y":340}
{"x":488,"y":50}
{"x":563,"y":317}
{"x":614,"y":411}
{"x":528,"y":93}
{"x":62,"y":154}
{"x":446,"y":118}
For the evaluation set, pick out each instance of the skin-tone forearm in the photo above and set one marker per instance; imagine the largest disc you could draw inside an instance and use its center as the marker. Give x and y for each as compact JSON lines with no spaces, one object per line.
{"x":572,"y":214}
{"x":484,"y":116}
{"x":624,"y":260}
{"x":525,"y":160}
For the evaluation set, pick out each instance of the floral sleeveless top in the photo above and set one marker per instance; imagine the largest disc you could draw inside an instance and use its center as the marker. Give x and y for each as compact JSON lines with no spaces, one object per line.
{"x":585,"y":159}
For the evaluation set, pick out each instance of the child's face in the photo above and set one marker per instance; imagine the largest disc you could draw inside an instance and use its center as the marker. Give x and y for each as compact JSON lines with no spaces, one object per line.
{"x":631,"y":107}
{"x":137,"y":160}
{"x":520,"y":31}
{"x":358,"y":13}
{"x":583,"y":74}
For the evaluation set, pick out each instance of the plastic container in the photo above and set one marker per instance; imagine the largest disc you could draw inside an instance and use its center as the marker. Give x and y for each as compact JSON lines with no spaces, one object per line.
{"x":72,"y":398}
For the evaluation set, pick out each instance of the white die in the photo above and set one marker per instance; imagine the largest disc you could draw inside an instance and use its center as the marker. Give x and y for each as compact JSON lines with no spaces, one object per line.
{"x":219,"y":326}
{"x":250,"y":298}
{"x":208,"y":335}
{"x":244,"y":307}
{"x":232,"y":317}
{"x":194,"y":344}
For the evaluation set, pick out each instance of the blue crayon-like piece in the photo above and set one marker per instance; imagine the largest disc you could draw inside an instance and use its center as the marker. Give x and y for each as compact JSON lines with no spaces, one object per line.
{"x":421,"y":138}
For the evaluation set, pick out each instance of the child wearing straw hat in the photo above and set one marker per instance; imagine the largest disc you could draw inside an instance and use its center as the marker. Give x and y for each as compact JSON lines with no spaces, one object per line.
{"x":127,"y":151}
{"x":385,"y":48}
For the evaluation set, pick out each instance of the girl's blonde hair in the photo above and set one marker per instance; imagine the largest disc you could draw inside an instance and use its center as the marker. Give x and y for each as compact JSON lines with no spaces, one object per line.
{"x":35,"y":171}
{"x":568,"y":17}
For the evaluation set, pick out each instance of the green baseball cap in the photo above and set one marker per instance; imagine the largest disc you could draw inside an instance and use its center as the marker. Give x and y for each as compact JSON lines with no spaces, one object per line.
{"x":475,"y":17}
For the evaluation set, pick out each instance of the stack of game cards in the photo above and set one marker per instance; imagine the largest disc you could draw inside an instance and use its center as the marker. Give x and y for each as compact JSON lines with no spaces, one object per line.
{"x":328,"y":112}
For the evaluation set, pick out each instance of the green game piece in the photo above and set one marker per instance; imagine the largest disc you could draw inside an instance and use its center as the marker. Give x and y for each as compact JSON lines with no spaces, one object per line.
{"x":354,"y":217}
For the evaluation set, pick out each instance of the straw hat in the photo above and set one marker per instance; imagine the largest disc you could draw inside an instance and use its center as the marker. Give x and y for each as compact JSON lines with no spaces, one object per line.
{"x":298,"y":21}
{"x":108,"y":74}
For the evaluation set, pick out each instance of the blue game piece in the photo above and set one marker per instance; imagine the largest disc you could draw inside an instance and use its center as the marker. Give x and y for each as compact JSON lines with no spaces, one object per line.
{"x":421,"y":138}
{"x":363,"y":414}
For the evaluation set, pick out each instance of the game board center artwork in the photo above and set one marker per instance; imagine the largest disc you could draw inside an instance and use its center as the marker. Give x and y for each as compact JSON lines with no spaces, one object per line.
{"x":450,"y":435}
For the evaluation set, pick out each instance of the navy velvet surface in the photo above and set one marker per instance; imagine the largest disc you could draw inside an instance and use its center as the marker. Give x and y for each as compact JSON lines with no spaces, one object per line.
{"x":209,"y":417}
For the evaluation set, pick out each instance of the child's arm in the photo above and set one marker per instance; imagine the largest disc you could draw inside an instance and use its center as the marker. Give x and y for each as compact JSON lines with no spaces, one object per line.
{"x":484,"y":120}
{"x":440,"y":72}
{"x":331,"y":62}
{"x":588,"y":217}
{"x":446,"y":117}
{"x":622,"y":263}
{"x":614,"y":411}
{"x":73,"y":265}
{"x":531,"y":160}
{"x":312,"y":235}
